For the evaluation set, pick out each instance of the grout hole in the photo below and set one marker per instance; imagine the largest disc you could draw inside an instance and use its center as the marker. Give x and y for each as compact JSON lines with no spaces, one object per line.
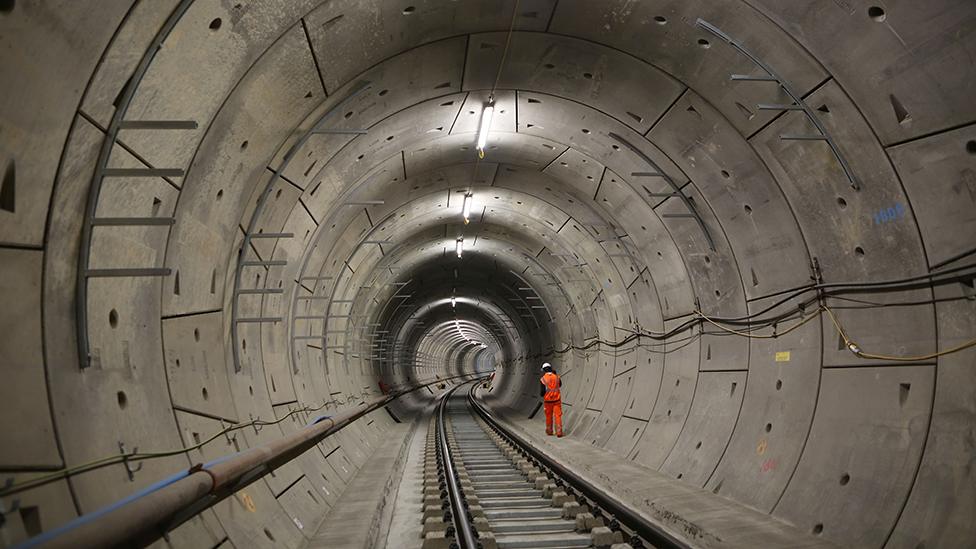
{"x":244,"y":144}
{"x":122,"y":399}
{"x":817,"y":528}
{"x":841,"y":202}
{"x":747,"y":208}
{"x":383,"y":92}
{"x":408,"y":10}
{"x":726,"y":174}
{"x":220,"y":194}
{"x":845,"y":479}
{"x":268,"y":533}
{"x":8,"y":188}
{"x":7,"y":6}
{"x":779,"y":384}
{"x":205,"y":394}
{"x":879,"y":15}
{"x":660,"y":20}
{"x":769,"y":427}
{"x":215,"y":24}
{"x":704,"y":43}
{"x":697,"y":446}
{"x":113,"y":318}
{"x":971,"y":146}
{"x":549,"y":66}
{"x":587,"y":75}
{"x":584,"y":130}
{"x":859,"y":250}
{"x":196,"y":334}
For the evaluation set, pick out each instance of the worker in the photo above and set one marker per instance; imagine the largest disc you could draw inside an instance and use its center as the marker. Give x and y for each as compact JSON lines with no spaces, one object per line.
{"x":549,"y":391}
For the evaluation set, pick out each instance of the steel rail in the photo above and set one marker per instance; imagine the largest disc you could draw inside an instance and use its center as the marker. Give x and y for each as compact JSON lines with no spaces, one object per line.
{"x":146,"y":516}
{"x":654,"y":534}
{"x":464,"y":531}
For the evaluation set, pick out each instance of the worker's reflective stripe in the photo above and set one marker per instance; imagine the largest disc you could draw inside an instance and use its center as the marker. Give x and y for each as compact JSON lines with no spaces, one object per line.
{"x":551,"y":381}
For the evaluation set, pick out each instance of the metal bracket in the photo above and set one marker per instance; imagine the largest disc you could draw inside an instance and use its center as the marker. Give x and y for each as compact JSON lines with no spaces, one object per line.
{"x":129,"y":469}
{"x":797,"y":98}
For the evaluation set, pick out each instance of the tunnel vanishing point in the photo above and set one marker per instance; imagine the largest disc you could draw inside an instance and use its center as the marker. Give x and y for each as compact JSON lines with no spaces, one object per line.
{"x":743,"y":232}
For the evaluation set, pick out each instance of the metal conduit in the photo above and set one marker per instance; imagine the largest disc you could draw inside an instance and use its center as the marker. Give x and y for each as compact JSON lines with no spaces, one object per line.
{"x":145,"y":516}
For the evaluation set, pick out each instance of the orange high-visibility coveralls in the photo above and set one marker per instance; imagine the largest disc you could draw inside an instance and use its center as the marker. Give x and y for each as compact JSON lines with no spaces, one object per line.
{"x":553,"y":402}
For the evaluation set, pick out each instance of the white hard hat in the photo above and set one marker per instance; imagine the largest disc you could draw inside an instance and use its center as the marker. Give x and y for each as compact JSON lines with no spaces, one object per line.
{"x":546,"y":365}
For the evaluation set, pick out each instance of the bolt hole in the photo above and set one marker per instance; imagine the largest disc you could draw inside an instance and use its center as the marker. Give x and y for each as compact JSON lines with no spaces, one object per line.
{"x":250,"y":390}
{"x":779,"y":384}
{"x":708,"y":259}
{"x":615,"y":147}
{"x":660,"y":20}
{"x":549,"y":66}
{"x":704,"y":44}
{"x":845,"y":479}
{"x":859,"y":251}
{"x":971,"y":147}
{"x":584,"y":130}
{"x":841,"y":202}
{"x":726,"y":174}
{"x":408,"y":10}
{"x":697,"y":446}
{"x":747,"y":208}
{"x":122,"y":400}
{"x":877,"y":13}
{"x":769,"y":427}
{"x":205,"y":394}
{"x":268,"y":533}
{"x":220,"y":194}
{"x":817,"y":528}
{"x":244,"y":144}
{"x":383,"y":92}
{"x":215,"y":24}
{"x":113,"y":318}
{"x":587,"y":75}
{"x":196,"y":334}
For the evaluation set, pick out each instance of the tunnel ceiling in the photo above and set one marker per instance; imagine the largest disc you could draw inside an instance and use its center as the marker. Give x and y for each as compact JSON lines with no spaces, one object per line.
{"x":631,"y":189}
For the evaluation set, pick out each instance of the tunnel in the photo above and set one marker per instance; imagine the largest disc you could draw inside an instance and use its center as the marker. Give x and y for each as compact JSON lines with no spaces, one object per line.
{"x":741,"y":231}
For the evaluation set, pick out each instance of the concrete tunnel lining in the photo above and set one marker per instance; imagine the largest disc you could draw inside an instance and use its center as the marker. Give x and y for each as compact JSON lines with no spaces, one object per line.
{"x":771,"y":423}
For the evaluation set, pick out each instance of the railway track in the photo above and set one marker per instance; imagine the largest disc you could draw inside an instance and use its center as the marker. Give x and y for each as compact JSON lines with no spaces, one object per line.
{"x":486,"y":488}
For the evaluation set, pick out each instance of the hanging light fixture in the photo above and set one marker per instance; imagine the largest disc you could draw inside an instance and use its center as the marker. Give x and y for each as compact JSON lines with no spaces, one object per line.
{"x":460,"y":246}
{"x":466,"y":208}
{"x":486,"y":113}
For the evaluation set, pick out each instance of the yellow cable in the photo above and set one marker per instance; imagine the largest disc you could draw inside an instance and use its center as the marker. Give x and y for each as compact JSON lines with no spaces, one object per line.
{"x":759,"y":336}
{"x":856,"y":350}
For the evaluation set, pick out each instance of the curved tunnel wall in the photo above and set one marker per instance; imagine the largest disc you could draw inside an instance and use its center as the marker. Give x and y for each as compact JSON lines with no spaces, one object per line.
{"x":590,"y":95}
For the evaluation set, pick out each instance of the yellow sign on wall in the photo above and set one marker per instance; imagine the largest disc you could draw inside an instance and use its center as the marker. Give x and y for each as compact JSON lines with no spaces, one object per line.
{"x":782,"y":356}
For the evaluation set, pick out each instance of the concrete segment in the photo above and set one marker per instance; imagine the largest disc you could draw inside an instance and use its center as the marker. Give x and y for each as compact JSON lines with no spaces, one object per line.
{"x":572,"y":241}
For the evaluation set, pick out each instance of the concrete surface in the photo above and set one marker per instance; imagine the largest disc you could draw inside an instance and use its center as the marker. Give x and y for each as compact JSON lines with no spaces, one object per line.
{"x":567,"y":245}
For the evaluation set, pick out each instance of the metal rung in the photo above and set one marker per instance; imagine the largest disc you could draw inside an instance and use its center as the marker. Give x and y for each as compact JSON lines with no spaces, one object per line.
{"x":309,"y":337}
{"x":747,"y":77}
{"x":272,"y":235}
{"x":142,"y":172}
{"x":678,"y":215}
{"x":158,"y":125}
{"x":343,"y":300}
{"x":261,"y":319}
{"x":316,"y":278}
{"x":132,"y":221}
{"x":313,"y":297}
{"x":776,"y":107}
{"x":308,"y":317}
{"x":248,"y":291}
{"x":801,"y":137}
{"x":646,"y":174}
{"x":339,"y":131}
{"x":663,"y":195}
{"x":364,"y":203}
{"x":378,"y":241}
{"x":272,"y":263}
{"x":105,"y":273}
